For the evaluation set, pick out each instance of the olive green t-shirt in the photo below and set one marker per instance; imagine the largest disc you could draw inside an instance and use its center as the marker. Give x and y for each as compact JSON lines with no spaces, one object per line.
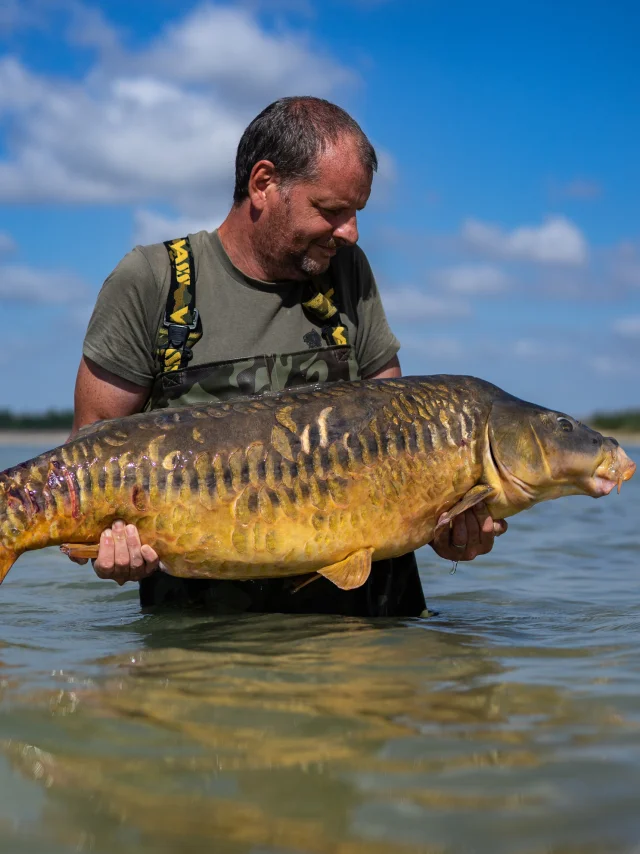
{"x":241,"y":317}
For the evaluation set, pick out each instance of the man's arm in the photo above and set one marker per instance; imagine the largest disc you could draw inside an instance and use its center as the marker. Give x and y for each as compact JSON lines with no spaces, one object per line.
{"x":387,"y":372}
{"x":100,"y":395}
{"x":473,"y":532}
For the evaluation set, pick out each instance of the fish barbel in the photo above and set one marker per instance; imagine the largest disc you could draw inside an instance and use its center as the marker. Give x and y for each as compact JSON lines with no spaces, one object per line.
{"x":322,"y":479}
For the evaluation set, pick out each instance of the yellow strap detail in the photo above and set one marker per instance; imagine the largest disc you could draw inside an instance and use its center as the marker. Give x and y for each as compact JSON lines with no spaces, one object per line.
{"x":178,"y":316}
{"x":321,"y":305}
{"x":315,"y":302}
{"x":338,"y":335}
{"x":179,"y":251}
{"x":179,"y":306}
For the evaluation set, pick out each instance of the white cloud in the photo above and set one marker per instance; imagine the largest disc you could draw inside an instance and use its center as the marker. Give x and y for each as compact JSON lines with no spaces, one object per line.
{"x":550,"y":346}
{"x":88,"y":27}
{"x":532,"y":348}
{"x":582,"y":189}
{"x":556,"y":241}
{"x":28,"y":284}
{"x":385,"y":178}
{"x":134,"y":139}
{"x":628,"y":327}
{"x":7,"y":243}
{"x":14,"y":14}
{"x":151,"y":227}
{"x":612,"y":366}
{"x":161,"y":124}
{"x":225,"y":46}
{"x":625,"y":264}
{"x":19,"y":90}
{"x":410,"y":304}
{"x":441,"y":347}
{"x":479,"y":279}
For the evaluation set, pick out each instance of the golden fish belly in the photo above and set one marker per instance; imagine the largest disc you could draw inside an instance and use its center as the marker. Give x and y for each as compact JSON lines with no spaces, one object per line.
{"x":267,"y":533}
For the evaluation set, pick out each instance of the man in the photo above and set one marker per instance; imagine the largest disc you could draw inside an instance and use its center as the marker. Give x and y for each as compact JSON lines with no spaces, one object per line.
{"x":281,"y":276}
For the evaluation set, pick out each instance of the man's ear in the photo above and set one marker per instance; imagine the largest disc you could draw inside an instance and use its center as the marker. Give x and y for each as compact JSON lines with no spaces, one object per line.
{"x":263,"y":178}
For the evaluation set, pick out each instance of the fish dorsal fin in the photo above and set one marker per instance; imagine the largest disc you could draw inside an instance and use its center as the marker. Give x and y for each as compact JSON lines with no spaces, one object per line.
{"x":90,"y":428}
{"x":473,"y":497}
{"x":351,"y":572}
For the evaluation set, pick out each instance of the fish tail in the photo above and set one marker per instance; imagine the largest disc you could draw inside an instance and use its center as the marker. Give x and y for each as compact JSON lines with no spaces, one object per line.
{"x":16,"y":515}
{"x":7,"y":559}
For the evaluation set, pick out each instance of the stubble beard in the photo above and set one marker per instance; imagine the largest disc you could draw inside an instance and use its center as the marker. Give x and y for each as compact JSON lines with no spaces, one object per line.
{"x":286,"y":263}
{"x":297,"y":264}
{"x":311,"y":267}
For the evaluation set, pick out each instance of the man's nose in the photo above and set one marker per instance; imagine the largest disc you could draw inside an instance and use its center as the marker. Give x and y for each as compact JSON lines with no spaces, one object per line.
{"x":347,"y":231}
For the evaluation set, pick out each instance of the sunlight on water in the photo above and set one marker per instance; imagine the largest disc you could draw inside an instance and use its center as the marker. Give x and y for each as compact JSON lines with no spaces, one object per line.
{"x":509,"y":722}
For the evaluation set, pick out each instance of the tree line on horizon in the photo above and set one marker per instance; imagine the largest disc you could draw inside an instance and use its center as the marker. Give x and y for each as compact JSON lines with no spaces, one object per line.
{"x":625,"y":420}
{"x":52,"y":419}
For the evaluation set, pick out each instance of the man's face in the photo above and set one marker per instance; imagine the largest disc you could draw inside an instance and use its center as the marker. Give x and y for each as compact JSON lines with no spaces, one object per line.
{"x":306,"y":222}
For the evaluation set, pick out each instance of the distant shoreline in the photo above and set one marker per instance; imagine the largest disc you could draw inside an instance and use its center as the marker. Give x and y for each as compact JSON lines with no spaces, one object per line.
{"x":21,"y":438}
{"x":53,"y":438}
{"x":631,"y":440}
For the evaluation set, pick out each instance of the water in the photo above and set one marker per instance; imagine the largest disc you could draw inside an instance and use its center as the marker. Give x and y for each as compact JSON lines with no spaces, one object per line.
{"x":508,"y":723}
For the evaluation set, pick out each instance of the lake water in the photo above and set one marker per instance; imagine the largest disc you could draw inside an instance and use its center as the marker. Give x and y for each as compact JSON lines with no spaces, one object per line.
{"x":509,"y":722}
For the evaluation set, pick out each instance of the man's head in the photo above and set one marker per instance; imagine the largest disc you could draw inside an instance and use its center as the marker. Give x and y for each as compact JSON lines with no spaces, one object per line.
{"x":304,"y":167}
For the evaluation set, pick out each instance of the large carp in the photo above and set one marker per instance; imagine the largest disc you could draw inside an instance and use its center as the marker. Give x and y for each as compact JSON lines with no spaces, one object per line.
{"x":325,"y":478}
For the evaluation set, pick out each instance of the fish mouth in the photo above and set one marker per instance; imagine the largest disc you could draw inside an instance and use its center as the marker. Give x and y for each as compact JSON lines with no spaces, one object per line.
{"x":609,"y":474}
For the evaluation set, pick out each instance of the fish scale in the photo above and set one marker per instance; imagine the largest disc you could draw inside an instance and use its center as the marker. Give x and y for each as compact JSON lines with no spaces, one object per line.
{"x":324,"y":479}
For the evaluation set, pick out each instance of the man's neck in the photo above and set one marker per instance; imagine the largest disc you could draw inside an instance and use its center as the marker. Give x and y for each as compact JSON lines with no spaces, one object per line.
{"x":235,"y":236}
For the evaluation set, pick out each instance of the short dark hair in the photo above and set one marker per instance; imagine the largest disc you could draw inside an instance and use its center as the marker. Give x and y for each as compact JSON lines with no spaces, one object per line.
{"x":292,"y":133}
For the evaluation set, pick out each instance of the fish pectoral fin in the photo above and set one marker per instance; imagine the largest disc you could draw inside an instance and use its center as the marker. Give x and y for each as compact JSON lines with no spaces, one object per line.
{"x":351,"y":572}
{"x":473,"y":497}
{"x":85,"y":551}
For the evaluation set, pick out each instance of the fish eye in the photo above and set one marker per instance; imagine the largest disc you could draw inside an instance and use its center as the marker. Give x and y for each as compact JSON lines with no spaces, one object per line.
{"x":565,"y":424}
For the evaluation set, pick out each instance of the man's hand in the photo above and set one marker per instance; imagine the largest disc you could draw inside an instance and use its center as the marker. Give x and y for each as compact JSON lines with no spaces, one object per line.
{"x":121,"y":556}
{"x":471,"y":534}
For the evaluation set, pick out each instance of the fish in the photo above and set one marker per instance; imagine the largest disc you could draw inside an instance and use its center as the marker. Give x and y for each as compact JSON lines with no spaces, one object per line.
{"x":322,"y":479}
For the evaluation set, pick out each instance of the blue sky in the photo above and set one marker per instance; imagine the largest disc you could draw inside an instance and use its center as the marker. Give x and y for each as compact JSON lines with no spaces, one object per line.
{"x":504,"y":227}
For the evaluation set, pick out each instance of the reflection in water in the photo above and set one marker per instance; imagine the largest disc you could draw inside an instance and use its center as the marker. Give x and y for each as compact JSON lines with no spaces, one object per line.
{"x":286,"y":733}
{"x":263,"y":719}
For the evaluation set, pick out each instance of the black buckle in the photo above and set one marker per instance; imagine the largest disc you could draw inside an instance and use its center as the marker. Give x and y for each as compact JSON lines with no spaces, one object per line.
{"x":178,"y":334}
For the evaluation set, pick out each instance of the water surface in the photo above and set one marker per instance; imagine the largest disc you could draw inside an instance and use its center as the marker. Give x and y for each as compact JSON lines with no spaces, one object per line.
{"x":509,"y":722}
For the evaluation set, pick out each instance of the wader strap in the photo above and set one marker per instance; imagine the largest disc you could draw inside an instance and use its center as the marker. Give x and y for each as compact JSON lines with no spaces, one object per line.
{"x":321,"y":304}
{"x":181,"y":326}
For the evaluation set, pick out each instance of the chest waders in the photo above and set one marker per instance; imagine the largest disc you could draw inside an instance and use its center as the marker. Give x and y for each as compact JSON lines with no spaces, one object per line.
{"x":393,"y":588}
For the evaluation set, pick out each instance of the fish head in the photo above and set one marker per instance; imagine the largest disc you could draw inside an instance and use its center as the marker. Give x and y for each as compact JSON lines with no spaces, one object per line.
{"x":534,"y":454}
